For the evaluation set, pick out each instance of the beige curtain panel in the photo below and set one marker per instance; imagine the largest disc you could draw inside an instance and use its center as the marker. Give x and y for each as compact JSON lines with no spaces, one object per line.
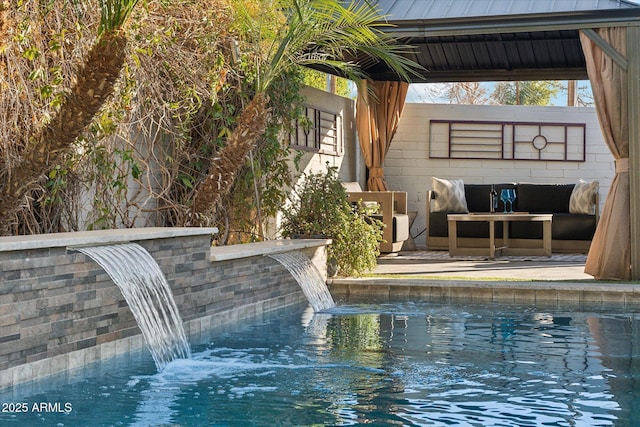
{"x":377,"y":119}
{"x":610,"y":253}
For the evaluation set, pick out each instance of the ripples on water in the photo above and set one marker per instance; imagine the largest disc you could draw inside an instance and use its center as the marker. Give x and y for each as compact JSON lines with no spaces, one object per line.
{"x":392,"y":364}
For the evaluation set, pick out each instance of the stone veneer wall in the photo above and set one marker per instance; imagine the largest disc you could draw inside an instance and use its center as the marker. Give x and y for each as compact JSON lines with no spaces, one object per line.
{"x":60,"y":310}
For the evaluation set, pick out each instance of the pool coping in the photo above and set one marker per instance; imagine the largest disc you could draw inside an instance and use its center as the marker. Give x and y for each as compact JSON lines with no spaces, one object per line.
{"x":498,"y":291}
{"x":98,"y":237}
{"x":267,"y":247}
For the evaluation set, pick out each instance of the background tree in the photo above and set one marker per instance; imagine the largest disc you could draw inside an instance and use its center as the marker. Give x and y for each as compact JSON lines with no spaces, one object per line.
{"x":472,"y":93}
{"x":581,"y":90}
{"x":526,"y":92}
{"x":318,"y":80}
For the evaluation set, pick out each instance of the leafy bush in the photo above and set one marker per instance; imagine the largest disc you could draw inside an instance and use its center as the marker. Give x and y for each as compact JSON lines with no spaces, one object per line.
{"x":319,"y":207}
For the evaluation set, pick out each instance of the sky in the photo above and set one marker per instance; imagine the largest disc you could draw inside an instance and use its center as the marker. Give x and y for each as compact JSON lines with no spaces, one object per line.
{"x":428,"y":93}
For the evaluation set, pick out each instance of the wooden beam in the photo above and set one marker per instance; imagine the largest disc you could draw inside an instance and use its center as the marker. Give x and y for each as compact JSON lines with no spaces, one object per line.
{"x":633,"y":107}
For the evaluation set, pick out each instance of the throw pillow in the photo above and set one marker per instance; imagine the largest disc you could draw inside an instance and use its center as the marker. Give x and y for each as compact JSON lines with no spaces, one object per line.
{"x":352,"y":187}
{"x":449,"y":195}
{"x":581,"y":201}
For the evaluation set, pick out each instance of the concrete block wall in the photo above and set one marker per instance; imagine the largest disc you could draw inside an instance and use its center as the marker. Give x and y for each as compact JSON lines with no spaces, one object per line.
{"x":60,"y":310}
{"x":409,"y":168}
{"x":349,"y":161}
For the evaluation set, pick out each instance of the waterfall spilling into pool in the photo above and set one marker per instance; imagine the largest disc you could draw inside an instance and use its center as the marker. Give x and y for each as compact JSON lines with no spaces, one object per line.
{"x":149,"y":297}
{"x":308,"y":277}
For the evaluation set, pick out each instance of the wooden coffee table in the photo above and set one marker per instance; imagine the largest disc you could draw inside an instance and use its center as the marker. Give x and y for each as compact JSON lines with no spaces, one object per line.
{"x":505,"y":218}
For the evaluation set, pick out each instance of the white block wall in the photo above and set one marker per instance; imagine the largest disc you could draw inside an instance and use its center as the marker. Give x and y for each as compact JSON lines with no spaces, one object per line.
{"x":408,"y":167}
{"x":349,"y":163}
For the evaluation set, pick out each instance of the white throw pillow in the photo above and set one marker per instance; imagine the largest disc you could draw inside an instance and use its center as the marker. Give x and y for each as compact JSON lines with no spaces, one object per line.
{"x":449,"y":195}
{"x":581,"y":201}
{"x":352,"y":187}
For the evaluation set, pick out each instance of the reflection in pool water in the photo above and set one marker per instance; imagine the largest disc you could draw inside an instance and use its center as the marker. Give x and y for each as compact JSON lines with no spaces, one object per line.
{"x":387,"y":364}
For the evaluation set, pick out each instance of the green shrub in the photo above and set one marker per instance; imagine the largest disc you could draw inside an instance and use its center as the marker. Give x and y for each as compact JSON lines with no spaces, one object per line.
{"x":319,"y":207}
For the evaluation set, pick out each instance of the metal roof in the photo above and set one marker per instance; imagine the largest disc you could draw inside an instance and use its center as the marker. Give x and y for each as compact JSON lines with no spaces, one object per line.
{"x":476,"y":40}
{"x":440,"y":9}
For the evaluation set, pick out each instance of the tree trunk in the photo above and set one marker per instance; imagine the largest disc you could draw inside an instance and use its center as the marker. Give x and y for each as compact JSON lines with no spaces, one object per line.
{"x":4,"y":33}
{"x":4,"y":25}
{"x":94,"y":85}
{"x":251,"y":126}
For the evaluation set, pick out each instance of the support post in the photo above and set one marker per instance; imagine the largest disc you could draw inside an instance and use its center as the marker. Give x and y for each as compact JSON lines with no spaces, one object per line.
{"x":633,"y":107}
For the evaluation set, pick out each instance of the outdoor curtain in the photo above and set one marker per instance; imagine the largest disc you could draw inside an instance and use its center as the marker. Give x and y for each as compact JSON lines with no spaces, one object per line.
{"x":377,"y":120}
{"x":610,"y":253}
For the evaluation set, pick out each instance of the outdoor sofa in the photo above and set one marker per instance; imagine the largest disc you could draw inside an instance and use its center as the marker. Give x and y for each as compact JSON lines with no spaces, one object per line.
{"x":574,"y":208}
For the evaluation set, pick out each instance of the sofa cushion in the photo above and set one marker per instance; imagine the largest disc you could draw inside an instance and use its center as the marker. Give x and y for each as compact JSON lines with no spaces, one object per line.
{"x":477,"y":229}
{"x":352,"y":187}
{"x":449,"y":195}
{"x":573,"y":226}
{"x":477,"y":196}
{"x":544,"y":198}
{"x":439,"y":227}
{"x":438,"y":224}
{"x":400,"y":226}
{"x":564,"y":226}
{"x":581,"y":201}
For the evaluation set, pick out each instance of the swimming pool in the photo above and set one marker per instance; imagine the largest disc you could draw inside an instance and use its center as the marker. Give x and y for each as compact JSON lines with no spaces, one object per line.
{"x":383,"y":364}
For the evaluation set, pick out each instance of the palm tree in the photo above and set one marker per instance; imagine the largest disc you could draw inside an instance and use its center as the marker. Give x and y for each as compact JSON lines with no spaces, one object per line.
{"x":94,"y":84}
{"x":3,"y":21}
{"x":319,"y":33}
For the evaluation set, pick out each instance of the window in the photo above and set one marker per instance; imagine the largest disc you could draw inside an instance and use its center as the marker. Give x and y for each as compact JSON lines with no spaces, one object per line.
{"x":320,"y":131}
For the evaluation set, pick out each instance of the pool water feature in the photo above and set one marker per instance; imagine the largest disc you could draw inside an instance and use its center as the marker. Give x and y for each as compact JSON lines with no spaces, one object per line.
{"x":308,"y":277}
{"x":385,"y":364}
{"x":149,"y":297}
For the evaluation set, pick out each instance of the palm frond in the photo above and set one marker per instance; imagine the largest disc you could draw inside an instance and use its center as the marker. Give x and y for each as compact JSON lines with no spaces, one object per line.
{"x":324,"y":32}
{"x":114,"y":14}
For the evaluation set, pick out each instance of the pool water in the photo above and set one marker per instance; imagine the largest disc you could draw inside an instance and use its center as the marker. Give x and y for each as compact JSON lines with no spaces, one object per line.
{"x":385,"y":364}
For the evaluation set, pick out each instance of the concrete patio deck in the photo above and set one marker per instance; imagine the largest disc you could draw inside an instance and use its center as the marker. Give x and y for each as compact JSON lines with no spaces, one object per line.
{"x":440,"y":265}
{"x":435,"y":275}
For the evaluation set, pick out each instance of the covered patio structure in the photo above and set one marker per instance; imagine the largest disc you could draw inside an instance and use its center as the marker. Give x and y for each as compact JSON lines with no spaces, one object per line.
{"x":476,"y":40}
